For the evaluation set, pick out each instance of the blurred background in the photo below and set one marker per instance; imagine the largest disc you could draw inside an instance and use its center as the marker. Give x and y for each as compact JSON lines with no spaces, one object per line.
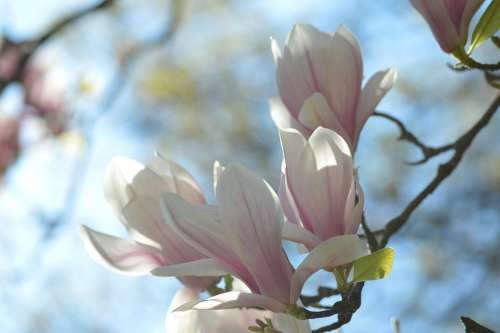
{"x":83,"y":81}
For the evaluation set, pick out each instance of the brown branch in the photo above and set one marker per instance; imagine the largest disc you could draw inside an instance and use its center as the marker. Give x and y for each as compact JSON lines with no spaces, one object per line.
{"x":323,"y":292}
{"x":428,"y":152}
{"x":446,"y":169}
{"x":472,"y":326}
{"x":28,"y":48}
{"x":370,"y":236}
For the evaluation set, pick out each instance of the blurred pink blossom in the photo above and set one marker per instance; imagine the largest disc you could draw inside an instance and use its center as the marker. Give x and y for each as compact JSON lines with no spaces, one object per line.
{"x":9,"y":142}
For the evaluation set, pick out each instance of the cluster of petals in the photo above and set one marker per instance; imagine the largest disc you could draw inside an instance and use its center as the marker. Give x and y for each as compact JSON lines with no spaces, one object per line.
{"x":242,"y":234}
{"x":319,"y":78}
{"x":173,"y":231}
{"x":134,"y":191}
{"x":449,"y":20}
{"x":231,"y":320}
{"x":319,"y":190}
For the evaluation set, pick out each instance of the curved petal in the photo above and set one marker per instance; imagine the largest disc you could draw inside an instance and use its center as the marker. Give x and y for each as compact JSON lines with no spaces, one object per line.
{"x":120,"y":255}
{"x":333,"y":252}
{"x":374,"y":90}
{"x":234,"y":299}
{"x":201,"y":228}
{"x":319,"y":177}
{"x":296,"y":233}
{"x":439,"y":20}
{"x":202,"y":267}
{"x":316,"y":113}
{"x":182,"y":322}
{"x":282,"y":117}
{"x":217,"y":170}
{"x":252,"y":220}
{"x":178,"y":179}
{"x":470,"y":9}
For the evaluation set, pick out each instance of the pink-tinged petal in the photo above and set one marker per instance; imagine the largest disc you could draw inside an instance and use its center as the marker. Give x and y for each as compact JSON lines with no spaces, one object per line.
{"x":317,"y":113}
{"x":336,"y":251}
{"x":470,"y":9}
{"x":282,"y":117}
{"x":437,"y":16}
{"x":119,"y":255}
{"x":354,"y":208}
{"x":234,"y":299}
{"x":343,"y":78}
{"x":319,"y":176}
{"x":287,"y":201}
{"x":374,"y":90}
{"x":202,"y":267}
{"x":252,"y":219}
{"x":178,"y":178}
{"x":295,"y":74}
{"x":296,"y":233}
{"x":201,"y":228}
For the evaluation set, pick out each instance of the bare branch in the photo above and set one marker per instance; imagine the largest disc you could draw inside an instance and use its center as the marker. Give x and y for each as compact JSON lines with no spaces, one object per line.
{"x":406,"y":135}
{"x":472,"y":326}
{"x":446,"y":169}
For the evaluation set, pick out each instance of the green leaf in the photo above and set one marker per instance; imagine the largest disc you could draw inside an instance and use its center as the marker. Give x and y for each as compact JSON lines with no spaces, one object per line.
{"x":488,"y":25}
{"x":374,"y":266}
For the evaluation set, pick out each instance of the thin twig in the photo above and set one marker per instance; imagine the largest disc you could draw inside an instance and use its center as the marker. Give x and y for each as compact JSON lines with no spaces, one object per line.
{"x":444,"y":170}
{"x":370,"y":236}
{"x":428,"y":152}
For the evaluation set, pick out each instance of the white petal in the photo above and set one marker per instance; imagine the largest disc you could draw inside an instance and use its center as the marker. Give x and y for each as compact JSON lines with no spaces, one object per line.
{"x":183,"y":322}
{"x":202,"y":267}
{"x":333,"y":252}
{"x":252,"y":220}
{"x":120,"y":255}
{"x":282,"y":117}
{"x":217,"y":170}
{"x":374,"y":90}
{"x":234,"y":299}
{"x":316,"y":113}
{"x":296,"y":233}
{"x":178,"y":178}
{"x":275,"y":49}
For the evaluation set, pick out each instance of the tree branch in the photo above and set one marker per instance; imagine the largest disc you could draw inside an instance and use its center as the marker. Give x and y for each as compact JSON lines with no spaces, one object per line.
{"x":406,"y":135}
{"x":446,"y":169}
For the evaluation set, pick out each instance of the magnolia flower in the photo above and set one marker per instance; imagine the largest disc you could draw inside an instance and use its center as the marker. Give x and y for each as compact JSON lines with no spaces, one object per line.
{"x":242,"y":236}
{"x":449,"y":20}
{"x":134,"y":192}
{"x":318,"y":189}
{"x":319,"y":81}
{"x":231,"y":320}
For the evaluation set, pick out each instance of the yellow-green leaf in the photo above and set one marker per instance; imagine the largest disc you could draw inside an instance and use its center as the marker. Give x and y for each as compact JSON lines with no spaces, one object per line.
{"x":374,"y":266}
{"x":487,"y":26}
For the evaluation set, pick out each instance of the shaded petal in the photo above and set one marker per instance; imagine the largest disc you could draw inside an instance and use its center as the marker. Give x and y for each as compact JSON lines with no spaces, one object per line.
{"x":470,"y":9}
{"x":282,"y":117}
{"x":338,"y":250}
{"x":437,"y":16}
{"x":375,"y":89}
{"x":201,"y":228}
{"x":353,"y":213}
{"x":202,"y":267}
{"x":317,"y":113}
{"x":234,"y":299}
{"x":120,"y":255}
{"x":178,"y":178}
{"x":187,"y":321}
{"x":296,"y":233}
